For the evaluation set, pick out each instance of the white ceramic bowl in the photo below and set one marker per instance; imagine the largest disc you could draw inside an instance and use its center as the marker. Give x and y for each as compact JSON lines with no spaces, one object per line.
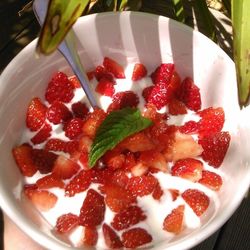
{"x":126,"y":37}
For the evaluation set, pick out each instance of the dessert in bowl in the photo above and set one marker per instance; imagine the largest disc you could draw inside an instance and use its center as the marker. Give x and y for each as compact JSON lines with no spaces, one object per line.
{"x":127,"y":38}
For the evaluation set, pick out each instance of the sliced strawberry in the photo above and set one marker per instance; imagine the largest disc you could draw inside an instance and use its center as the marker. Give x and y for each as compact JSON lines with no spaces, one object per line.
{"x":130,"y":160}
{"x":49,"y":181}
{"x":146,"y":93}
{"x":55,"y":144}
{"x":163,"y":73}
{"x":73,"y":128}
{"x":79,"y":109}
{"x":64,"y":168}
{"x":139,"y":169}
{"x":142,"y":185}
{"x":42,"y":135}
{"x":105,"y":87}
{"x":74,"y":81}
{"x":189,"y":168}
{"x":128,"y":217}
{"x":44,"y":160}
{"x":114,"y":159}
{"x":212,"y":121}
{"x":58,"y":112}
{"x":101,"y":73}
{"x":123,"y":99}
{"x":176,"y":107}
{"x":112,"y":240}
{"x":59,"y":89}
{"x":174,"y":221}
{"x":113,"y":67}
{"x":189,"y":93}
{"x":43,"y":200}
{"x":197,"y":200}
{"x":136,"y":237}
{"x":117,"y":198}
{"x":190,"y":127}
{"x":90,"y":236}
{"x":101,"y":176}
{"x":66,"y":223}
{"x":215,"y":148}
{"x":92,"y":122}
{"x":211,"y":180}
{"x":158,"y":192}
{"x":23,"y":157}
{"x":79,"y":183}
{"x":152,"y":113}
{"x":139,"y":72}
{"x":119,"y":178}
{"x":36,"y":114}
{"x":174,"y":193}
{"x":92,"y":210}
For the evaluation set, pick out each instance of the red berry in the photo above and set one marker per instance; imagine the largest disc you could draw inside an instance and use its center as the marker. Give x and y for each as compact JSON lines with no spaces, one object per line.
{"x":59,"y":89}
{"x":136,"y":237}
{"x":73,"y":128}
{"x":113,"y":67}
{"x":49,"y":181}
{"x":100,"y":72}
{"x":101,"y":176}
{"x":90,"y":236}
{"x":189,"y":168}
{"x":146,"y":93}
{"x":190,"y":127}
{"x":139,"y":72}
{"x":215,"y":148}
{"x":23,"y":157}
{"x":66,"y":223}
{"x":128,"y":217}
{"x":211,"y":180}
{"x":112,"y":240}
{"x":79,"y":183}
{"x":79,"y":109}
{"x":174,"y":193}
{"x":197,"y":200}
{"x":189,"y":93}
{"x":163,"y":73}
{"x":58,"y":113}
{"x":176,"y":107}
{"x":42,"y":135}
{"x":55,"y":144}
{"x":174,"y":221}
{"x":158,"y":192}
{"x":105,"y":87}
{"x":36,"y":114}
{"x":123,"y":99}
{"x":74,"y":81}
{"x":92,"y":210}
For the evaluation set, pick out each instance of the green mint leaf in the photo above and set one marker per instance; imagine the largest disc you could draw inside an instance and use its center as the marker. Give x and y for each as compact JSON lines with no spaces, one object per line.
{"x":116,"y":127}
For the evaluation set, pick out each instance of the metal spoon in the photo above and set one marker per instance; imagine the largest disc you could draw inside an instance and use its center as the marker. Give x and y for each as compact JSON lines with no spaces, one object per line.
{"x":68,"y":50}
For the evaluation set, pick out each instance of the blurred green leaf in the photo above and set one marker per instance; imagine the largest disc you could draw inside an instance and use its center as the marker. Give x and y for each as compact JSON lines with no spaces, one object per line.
{"x":241,"y":39}
{"x":179,"y":10}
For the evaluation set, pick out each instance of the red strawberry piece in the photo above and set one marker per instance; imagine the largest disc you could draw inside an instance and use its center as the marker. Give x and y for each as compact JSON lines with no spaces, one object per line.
{"x":74,"y":81}
{"x":189,"y":93}
{"x":90,"y":75}
{"x":112,"y":240}
{"x":146,"y":93}
{"x":59,"y":89}
{"x":90,"y":236}
{"x":73,"y":128}
{"x":212,"y":121}
{"x":190,"y":127}
{"x":101,"y":176}
{"x":139,"y":72}
{"x":215,"y":148}
{"x":123,"y":99}
{"x":174,"y":193}
{"x":105,"y":87}
{"x":114,"y":159}
{"x":136,"y":237}
{"x":49,"y":181}
{"x":44,"y":160}
{"x":58,"y":112}
{"x":211,"y":180}
{"x":79,"y":183}
{"x":113,"y":67}
{"x":92,"y":210}
{"x":79,"y":109}
{"x":142,"y":185}
{"x":55,"y":144}
{"x":36,"y":114}
{"x":197,"y":200}
{"x":66,"y":223}
{"x":64,"y":168}
{"x":92,"y":122}
{"x":119,"y":178}
{"x":117,"y":198}
{"x":189,"y":168}
{"x":42,"y":135}
{"x":128,"y":217}
{"x":176,"y":107}
{"x":130,"y":160}
{"x":163,"y":73}
{"x":43,"y":200}
{"x":101,"y":73}
{"x":158,"y":192}
{"x":23,"y":157}
{"x":174,"y":221}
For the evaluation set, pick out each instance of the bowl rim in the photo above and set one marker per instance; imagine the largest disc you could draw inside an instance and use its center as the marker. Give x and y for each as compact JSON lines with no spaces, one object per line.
{"x":186,"y":242}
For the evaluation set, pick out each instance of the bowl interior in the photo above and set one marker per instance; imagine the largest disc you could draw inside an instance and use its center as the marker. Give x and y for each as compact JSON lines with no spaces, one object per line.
{"x":127,"y":37}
